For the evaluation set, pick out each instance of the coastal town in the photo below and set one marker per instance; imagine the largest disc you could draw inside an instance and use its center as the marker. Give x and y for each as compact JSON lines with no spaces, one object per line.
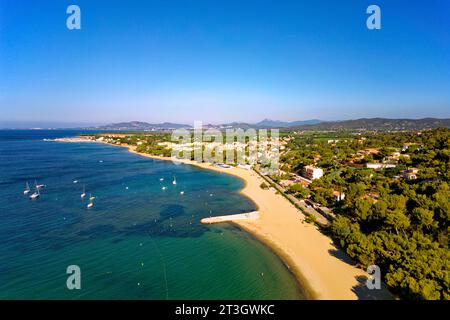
{"x":298,"y":179}
{"x":226,"y":159}
{"x":360,"y":188}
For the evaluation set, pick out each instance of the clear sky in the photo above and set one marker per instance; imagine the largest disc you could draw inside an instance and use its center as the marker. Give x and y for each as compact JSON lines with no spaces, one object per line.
{"x":223,"y":60}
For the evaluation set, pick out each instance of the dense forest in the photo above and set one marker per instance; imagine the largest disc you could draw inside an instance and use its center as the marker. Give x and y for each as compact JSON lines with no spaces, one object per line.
{"x":405,"y":230}
{"x":401,"y":225}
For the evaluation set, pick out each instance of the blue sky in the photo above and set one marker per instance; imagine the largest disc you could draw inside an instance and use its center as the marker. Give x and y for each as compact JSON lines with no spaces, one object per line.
{"x":220,"y":61}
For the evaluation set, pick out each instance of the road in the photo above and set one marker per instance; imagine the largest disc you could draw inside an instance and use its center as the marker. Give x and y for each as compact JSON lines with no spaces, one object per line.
{"x":299,"y":203}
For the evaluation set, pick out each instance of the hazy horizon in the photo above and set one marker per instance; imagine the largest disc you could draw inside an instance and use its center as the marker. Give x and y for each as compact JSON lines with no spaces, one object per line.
{"x":69,"y":125}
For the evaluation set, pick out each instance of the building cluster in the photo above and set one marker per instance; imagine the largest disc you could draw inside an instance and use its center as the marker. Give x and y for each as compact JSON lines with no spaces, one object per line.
{"x":251,"y":152}
{"x":112,"y":139}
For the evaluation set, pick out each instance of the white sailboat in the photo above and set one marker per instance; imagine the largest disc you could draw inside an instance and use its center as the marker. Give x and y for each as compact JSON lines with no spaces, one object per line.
{"x":174,"y":182}
{"x":91,"y":201}
{"x":35,"y":194}
{"x":84,"y":192}
{"x":27,"y":188}
{"x":39,"y":186}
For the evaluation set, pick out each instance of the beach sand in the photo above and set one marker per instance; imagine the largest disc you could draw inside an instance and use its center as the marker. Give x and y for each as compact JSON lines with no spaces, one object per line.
{"x":322,"y":269}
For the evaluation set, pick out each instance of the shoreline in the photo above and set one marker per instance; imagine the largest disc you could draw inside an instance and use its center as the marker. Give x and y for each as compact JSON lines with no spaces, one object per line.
{"x":322,"y":270}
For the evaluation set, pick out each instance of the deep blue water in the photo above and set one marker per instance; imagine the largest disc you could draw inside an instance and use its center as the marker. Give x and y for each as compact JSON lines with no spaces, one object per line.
{"x":138,"y":242}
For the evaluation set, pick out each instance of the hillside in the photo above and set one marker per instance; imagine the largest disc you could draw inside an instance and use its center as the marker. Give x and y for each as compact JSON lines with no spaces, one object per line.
{"x":381,"y":124}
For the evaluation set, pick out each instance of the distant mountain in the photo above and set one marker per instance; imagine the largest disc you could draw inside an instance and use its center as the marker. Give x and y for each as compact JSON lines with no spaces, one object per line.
{"x":145,"y":126}
{"x":381,"y":124}
{"x":267,"y":123}
{"x":235,"y":125}
{"x":142,"y":126}
{"x":313,"y":124}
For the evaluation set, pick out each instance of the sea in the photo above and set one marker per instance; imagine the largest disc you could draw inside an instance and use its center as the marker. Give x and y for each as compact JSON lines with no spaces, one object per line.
{"x":138,"y":241}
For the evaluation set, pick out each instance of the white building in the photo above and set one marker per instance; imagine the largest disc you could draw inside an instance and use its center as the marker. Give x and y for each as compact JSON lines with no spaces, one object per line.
{"x":311,"y":172}
{"x":379,"y":165}
{"x":410,"y":174}
{"x":338,"y":196}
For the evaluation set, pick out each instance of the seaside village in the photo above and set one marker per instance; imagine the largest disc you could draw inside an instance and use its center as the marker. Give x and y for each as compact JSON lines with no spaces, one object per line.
{"x":312,"y":172}
{"x":261,"y":152}
{"x":342,"y":181}
{"x":266,"y":155}
{"x":265,"y":152}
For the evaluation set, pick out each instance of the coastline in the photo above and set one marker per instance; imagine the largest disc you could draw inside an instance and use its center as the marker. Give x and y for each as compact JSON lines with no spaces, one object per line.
{"x":323,"y":271}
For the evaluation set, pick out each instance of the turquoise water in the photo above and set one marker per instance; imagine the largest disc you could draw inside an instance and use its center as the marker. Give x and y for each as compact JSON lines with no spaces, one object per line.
{"x":138,"y":242}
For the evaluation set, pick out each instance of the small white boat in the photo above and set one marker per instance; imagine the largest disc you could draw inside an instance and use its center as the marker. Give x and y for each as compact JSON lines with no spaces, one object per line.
{"x":27,"y":189}
{"x":181,"y":192}
{"x":163,"y":188}
{"x":35,"y":194}
{"x":174,"y":182}
{"x":84,"y":192}
{"x":39,"y":186}
{"x":75,"y":181}
{"x":161,"y":179}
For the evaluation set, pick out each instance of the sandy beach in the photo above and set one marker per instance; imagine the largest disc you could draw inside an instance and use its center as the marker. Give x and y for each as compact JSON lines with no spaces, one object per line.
{"x":322,"y":269}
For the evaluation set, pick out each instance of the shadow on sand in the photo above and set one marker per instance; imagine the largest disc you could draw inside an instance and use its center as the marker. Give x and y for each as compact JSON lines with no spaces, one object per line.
{"x":364,"y":293}
{"x":361,"y":290}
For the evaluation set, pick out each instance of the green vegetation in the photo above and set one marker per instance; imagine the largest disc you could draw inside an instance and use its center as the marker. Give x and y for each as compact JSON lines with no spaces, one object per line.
{"x":399,"y":224}
{"x":264,"y":186}
{"x":145,"y":143}
{"x":396,"y":216}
